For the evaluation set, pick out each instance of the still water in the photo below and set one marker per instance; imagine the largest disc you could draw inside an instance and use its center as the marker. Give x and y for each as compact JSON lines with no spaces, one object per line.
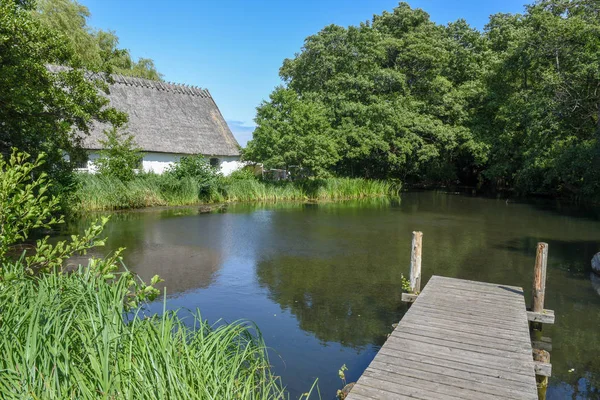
{"x":322,"y":281}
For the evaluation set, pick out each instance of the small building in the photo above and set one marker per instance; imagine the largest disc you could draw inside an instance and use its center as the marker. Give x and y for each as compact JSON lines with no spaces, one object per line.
{"x":168,"y":121}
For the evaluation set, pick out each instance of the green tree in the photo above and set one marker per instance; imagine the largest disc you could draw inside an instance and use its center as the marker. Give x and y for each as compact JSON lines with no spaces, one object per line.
{"x":541,"y":113}
{"x":393,"y":93}
{"x":96,"y":49}
{"x":120,"y":156}
{"x":293,"y":132}
{"x":514,"y":107}
{"x":41,"y":110}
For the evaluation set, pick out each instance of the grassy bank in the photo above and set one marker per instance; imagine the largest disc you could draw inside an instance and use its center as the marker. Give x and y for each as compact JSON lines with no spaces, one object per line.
{"x":98,"y":193}
{"x":68,"y":339}
{"x":85,"y":334}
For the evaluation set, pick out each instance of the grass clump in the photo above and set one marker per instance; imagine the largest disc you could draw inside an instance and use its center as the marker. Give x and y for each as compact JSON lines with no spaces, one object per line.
{"x":349,"y":188}
{"x":100,"y":193}
{"x":73,"y":336}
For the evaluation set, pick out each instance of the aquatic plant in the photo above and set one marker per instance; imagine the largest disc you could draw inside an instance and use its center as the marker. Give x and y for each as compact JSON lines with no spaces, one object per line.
{"x":72,"y":335}
{"x":97,"y":193}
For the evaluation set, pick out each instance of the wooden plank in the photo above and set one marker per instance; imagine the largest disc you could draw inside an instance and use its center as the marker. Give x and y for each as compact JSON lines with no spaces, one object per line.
{"x":467,"y":282}
{"x":409,"y":297}
{"x":456,"y":344}
{"x":456,"y":318}
{"x":486,"y":360}
{"x":544,"y":317}
{"x":460,"y":296}
{"x":440,"y":333}
{"x":460,"y":339}
{"x":542,"y":343}
{"x":542,"y":368}
{"x":460,"y":327}
{"x":479,"y":287}
{"x":489,"y":315}
{"x":395,"y":390}
{"x":477,"y":293}
{"x":441,"y":388}
{"x":457,"y":297}
{"x":516,"y":380}
{"x":366,"y":392}
{"x":453,"y":378}
{"x":473,"y":299}
{"x":516,"y":312}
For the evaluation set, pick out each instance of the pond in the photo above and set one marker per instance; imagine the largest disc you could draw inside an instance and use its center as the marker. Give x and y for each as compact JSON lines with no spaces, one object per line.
{"x":322,"y":281}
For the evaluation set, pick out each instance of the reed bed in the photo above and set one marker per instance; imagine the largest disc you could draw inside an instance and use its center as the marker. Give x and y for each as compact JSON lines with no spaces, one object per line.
{"x":70,"y":336}
{"x":102,"y":193}
{"x":349,"y":188}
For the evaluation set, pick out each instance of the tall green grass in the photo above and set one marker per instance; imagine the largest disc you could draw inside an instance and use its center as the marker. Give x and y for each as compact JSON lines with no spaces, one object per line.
{"x":100,"y":193}
{"x":255,"y":190}
{"x":349,"y":188}
{"x":70,"y":336}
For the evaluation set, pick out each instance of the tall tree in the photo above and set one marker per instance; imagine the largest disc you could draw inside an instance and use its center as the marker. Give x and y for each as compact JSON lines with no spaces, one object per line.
{"x":41,"y":110}
{"x":95,"y":48}
{"x":542,"y":106}
{"x":389,"y":95}
{"x":516,"y":106}
{"x":293,"y":132}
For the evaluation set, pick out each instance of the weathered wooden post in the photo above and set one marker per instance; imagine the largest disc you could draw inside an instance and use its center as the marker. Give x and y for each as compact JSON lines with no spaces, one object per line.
{"x":416,"y":253}
{"x":539,"y":315}
{"x":543,"y":370}
{"x":539,"y":280}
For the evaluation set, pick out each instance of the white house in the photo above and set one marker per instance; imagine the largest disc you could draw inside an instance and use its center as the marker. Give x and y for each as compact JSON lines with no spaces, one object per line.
{"x":168,"y":121}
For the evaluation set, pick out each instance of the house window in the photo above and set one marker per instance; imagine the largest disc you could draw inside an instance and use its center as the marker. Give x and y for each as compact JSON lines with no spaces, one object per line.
{"x":80,"y":163}
{"x":214,"y":162}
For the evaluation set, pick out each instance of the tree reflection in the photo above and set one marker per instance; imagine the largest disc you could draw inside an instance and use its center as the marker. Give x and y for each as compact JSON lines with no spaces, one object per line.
{"x":336,"y":304}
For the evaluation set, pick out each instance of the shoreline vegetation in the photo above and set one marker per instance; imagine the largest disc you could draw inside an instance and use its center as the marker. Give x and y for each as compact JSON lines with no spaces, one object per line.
{"x":106,"y":193}
{"x":86,"y":333}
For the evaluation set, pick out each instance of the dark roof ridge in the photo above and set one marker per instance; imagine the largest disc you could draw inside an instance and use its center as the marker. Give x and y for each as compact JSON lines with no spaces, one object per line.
{"x":160,"y":85}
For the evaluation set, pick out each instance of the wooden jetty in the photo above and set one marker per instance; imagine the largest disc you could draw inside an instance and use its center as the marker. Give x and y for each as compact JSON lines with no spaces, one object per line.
{"x":461,"y":339}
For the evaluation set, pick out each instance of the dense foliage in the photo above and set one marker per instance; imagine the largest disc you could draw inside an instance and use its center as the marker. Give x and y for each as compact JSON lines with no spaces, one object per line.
{"x":516,"y":106}
{"x":197,"y":169}
{"x":96,"y":49}
{"x":120,"y":156}
{"x":80,"y":332}
{"x":39,"y":109}
{"x":49,"y":110}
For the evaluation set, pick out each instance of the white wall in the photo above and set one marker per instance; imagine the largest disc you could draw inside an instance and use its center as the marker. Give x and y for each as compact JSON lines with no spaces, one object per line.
{"x":159,"y":162}
{"x":228,"y":164}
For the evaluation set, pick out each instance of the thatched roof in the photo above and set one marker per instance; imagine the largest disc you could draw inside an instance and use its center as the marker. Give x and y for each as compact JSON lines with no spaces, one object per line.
{"x":168,"y":118}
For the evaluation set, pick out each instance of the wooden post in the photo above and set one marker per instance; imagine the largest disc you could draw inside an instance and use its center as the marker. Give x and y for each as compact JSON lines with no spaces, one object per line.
{"x":539,"y":277}
{"x":416,"y":252}
{"x":542,"y":360}
{"x":539,"y":282}
{"x":415,"y":262}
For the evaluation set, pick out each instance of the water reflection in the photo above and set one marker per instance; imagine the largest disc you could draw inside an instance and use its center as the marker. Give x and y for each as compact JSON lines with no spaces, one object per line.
{"x":336,"y":304}
{"x":322,"y":281}
{"x":185,"y":267}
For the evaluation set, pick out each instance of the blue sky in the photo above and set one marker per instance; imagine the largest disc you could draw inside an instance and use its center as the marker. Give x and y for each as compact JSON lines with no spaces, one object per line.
{"x":234,"y":48}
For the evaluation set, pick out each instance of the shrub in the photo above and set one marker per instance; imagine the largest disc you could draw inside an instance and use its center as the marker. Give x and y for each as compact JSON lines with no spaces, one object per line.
{"x":197,"y":168}
{"x":120,"y":156}
{"x":242,"y":174}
